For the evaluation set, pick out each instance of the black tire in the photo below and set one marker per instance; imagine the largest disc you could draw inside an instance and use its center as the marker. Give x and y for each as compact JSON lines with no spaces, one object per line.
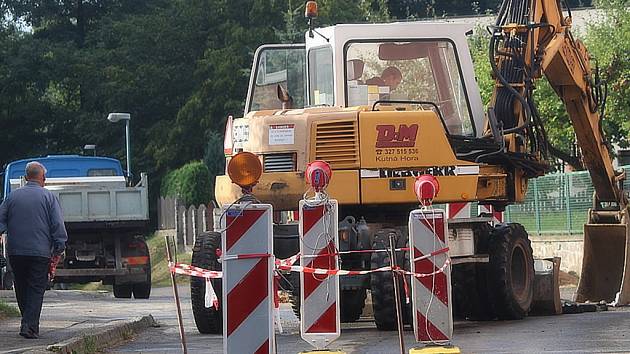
{"x":471,"y":298}
{"x":351,"y":305}
{"x":511,"y":271}
{"x":471,"y":295}
{"x":123,"y":291}
{"x":208,"y":320}
{"x":143,"y":290}
{"x":294,"y":293}
{"x":382,"y":286}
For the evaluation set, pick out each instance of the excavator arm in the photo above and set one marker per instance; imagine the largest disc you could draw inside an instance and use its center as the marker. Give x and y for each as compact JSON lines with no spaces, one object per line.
{"x":531,"y":38}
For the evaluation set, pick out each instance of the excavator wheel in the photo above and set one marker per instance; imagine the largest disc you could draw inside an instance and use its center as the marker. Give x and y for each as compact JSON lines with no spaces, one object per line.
{"x":208,"y":320}
{"x":471,"y":295}
{"x":511,"y":271}
{"x":294,"y":293}
{"x":382,"y":286}
{"x":471,"y":298}
{"x":351,"y":305}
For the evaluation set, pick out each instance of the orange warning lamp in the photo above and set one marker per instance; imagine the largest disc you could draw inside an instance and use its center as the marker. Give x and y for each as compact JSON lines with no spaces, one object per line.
{"x":245,"y":170}
{"x":310,"y":10}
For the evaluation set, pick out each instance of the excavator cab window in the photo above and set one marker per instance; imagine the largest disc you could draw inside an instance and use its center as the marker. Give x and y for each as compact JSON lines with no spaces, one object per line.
{"x":321,"y":76}
{"x":409,"y":71}
{"x":275,"y":65}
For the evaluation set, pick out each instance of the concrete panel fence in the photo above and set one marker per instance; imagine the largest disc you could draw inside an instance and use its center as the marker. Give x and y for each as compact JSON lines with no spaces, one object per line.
{"x":186,"y":223}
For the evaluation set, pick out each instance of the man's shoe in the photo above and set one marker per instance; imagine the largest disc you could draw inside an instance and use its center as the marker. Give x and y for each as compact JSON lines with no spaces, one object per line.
{"x":28,"y":333}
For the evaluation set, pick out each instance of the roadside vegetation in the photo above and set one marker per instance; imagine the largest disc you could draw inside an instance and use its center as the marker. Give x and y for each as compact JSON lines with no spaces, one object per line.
{"x":181,"y":67}
{"x":159,"y":262}
{"x":7,"y":310}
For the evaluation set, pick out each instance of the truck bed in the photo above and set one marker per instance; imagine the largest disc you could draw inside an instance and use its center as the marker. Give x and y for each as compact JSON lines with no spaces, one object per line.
{"x":99,"y":199}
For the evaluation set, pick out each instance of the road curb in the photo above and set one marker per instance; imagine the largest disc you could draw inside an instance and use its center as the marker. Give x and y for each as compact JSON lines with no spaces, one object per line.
{"x":101,"y":338}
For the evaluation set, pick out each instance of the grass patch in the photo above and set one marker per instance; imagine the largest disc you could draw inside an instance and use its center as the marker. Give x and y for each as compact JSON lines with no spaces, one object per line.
{"x":89,"y":344}
{"x":7,"y":310}
{"x":97,"y":286}
{"x":159,"y":263}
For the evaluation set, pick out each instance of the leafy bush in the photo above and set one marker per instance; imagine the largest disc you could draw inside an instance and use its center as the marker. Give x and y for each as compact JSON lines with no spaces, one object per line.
{"x":191,"y":183}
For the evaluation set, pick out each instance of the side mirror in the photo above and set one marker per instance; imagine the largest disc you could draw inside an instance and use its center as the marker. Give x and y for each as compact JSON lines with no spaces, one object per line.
{"x":284,"y":97}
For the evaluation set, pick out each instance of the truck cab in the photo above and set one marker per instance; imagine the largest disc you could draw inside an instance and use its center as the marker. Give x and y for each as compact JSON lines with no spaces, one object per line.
{"x":105,"y":217}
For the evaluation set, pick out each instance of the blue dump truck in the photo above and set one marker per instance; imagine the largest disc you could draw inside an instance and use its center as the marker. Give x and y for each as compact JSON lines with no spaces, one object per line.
{"x":105,"y":216}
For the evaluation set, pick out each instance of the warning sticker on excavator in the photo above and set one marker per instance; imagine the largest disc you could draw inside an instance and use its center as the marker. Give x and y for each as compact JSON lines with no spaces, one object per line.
{"x":282,"y":134}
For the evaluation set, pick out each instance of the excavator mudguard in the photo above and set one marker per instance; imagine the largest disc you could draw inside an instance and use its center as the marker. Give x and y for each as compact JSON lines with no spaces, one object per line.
{"x":605,"y":275}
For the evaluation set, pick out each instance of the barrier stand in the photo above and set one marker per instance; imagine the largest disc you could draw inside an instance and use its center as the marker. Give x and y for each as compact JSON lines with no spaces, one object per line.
{"x":392,"y":260}
{"x":431,"y":296}
{"x":180,"y":320}
{"x":319,"y":295}
{"x":248,"y":265}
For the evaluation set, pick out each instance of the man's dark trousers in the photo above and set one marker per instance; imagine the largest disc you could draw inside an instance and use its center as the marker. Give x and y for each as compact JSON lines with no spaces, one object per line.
{"x":31,"y":280}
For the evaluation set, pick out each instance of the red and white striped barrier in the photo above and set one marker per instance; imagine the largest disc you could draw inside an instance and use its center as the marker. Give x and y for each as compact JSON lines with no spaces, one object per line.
{"x":319,"y":295}
{"x":497,"y":216}
{"x":248,"y":299}
{"x":458,"y":210}
{"x":431,"y":301}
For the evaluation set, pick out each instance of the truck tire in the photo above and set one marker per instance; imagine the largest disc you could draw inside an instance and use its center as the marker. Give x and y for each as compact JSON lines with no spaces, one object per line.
{"x":123,"y":291}
{"x":351,"y":305}
{"x":143,"y":290}
{"x":382,"y":286}
{"x":208,"y":320}
{"x":511,"y":271}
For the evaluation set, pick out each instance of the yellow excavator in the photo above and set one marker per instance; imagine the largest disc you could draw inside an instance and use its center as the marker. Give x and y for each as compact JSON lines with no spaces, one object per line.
{"x":384,"y":103}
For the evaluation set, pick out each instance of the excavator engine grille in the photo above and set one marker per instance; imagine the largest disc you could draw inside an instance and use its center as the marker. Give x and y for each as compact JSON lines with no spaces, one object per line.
{"x":336,"y":143}
{"x":284,"y":162}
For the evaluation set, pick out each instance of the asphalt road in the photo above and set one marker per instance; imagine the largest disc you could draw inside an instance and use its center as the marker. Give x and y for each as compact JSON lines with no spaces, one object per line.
{"x":604,"y":332}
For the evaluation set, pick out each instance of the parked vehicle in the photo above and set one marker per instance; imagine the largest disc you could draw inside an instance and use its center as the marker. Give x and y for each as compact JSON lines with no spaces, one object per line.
{"x":105,"y":217}
{"x":384,"y":103}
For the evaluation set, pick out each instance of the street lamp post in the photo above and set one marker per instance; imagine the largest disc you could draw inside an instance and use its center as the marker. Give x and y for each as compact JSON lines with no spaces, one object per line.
{"x":116,"y":117}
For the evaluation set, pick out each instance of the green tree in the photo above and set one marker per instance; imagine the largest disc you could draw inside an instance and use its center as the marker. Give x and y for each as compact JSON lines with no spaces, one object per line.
{"x":613,"y":61}
{"x":608,"y":41}
{"x":190,"y":183}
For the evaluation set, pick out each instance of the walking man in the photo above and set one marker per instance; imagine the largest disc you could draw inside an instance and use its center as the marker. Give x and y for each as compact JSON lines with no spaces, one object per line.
{"x":32,"y":217}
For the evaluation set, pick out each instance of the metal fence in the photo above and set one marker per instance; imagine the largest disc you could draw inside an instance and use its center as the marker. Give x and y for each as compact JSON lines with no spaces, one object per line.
{"x":556,"y":204}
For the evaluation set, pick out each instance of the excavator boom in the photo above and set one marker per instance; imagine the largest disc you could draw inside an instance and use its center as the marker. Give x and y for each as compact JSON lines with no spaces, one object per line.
{"x":532,"y":38}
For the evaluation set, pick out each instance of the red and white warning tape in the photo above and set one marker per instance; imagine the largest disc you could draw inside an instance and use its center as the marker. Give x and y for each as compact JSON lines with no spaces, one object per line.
{"x":211,"y":299}
{"x":287,"y":264}
{"x":187,"y":269}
